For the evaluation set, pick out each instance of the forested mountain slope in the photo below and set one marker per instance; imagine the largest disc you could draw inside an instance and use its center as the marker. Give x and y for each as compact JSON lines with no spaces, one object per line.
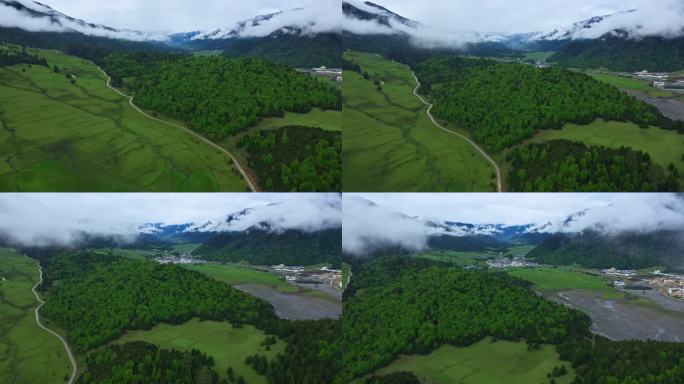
{"x":262,"y":247}
{"x":655,"y":54}
{"x":630,"y":250}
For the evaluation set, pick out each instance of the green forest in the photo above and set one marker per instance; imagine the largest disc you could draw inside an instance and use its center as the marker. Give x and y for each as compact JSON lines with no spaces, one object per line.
{"x":296,"y":159}
{"x":217,"y":96}
{"x":655,"y":54}
{"x":143,"y":363}
{"x":628,"y":250}
{"x":502,"y":104}
{"x":96,"y":297}
{"x":406,"y":306}
{"x":401,"y":305}
{"x":567,"y":166}
{"x":263,"y":247}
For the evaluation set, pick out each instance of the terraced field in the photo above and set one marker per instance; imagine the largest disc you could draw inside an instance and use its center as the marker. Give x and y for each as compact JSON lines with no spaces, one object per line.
{"x":28,"y":354}
{"x":59,"y":136}
{"x":390,"y":144}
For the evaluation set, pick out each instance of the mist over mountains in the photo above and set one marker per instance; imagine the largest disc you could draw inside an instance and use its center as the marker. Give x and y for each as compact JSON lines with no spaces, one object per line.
{"x":370,"y":226}
{"x":663,"y":19}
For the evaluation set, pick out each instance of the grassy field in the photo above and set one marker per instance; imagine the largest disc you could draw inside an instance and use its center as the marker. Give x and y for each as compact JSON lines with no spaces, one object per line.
{"x":228,"y":346}
{"x":28,"y":354}
{"x":327,"y":120}
{"x":536,"y":55}
{"x":628,"y":83}
{"x":483,"y":363}
{"x":663,"y":146}
{"x":235,"y":274}
{"x":58,"y":136}
{"x":459,"y":258}
{"x":391,"y":145}
{"x":556,"y":279}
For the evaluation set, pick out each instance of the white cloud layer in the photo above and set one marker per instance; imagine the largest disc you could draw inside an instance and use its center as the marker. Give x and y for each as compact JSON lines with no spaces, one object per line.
{"x":402,"y":219}
{"x":41,"y":219}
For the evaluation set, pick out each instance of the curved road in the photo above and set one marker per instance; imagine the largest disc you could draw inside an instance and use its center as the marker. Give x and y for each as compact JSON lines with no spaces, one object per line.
{"x":74,"y":368}
{"x":251,"y":183}
{"x":499,"y":186}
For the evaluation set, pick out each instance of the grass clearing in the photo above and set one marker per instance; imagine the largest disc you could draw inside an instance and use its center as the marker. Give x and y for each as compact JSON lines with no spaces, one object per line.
{"x":663,"y":146}
{"x":28,"y":354}
{"x":485,"y":362}
{"x":57,"y":136}
{"x":548,"y":279}
{"x":234,"y":274}
{"x":390,"y":144}
{"x":229,"y":346}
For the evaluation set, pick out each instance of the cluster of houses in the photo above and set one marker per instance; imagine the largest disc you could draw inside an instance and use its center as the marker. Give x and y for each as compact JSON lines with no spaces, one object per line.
{"x":662,"y":80}
{"x":516,"y":262}
{"x":669,"y":285}
{"x":323,"y":71}
{"x":298,"y":274}
{"x":619,"y":272}
{"x":178,"y":259}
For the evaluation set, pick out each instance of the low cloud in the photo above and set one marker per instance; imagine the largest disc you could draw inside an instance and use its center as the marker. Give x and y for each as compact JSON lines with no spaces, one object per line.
{"x":65,"y":219}
{"x":374,"y":221}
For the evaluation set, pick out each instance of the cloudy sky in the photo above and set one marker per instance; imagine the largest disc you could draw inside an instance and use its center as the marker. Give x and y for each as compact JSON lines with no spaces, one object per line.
{"x":399,"y":219}
{"x":174,"y":15}
{"x":48,"y":218}
{"x":521,"y":15}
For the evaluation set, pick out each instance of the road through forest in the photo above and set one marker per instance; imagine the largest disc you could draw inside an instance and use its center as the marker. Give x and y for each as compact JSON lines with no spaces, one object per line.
{"x":251,"y":183}
{"x":499,"y":186}
{"x":74,"y":368}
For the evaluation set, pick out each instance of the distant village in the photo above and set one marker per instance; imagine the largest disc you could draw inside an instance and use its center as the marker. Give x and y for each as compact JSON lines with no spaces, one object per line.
{"x":301,"y":275}
{"x":334,"y":74}
{"x":661,"y":80}
{"x":668,"y":285}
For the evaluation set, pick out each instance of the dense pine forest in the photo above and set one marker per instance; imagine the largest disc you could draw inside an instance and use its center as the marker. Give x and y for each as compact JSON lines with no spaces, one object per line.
{"x":262,"y":247}
{"x":566,"y":166}
{"x":502,"y":104}
{"x":399,"y":305}
{"x":625,"y":251}
{"x":296,"y":159}
{"x":217,"y":96}
{"x":96,"y":297}
{"x":143,"y":363}
{"x":655,"y":54}
{"x":290,"y":50}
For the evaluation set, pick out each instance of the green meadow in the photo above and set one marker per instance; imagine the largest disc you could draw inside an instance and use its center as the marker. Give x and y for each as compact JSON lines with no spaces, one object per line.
{"x":485,"y":362}
{"x":663,"y":146}
{"x":233,"y":274}
{"x":557,"y":279}
{"x":390,"y":144}
{"x":229,"y":346}
{"x":59,"y":136}
{"x":28,"y":354}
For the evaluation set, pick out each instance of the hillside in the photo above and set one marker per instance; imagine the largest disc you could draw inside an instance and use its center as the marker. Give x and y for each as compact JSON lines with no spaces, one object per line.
{"x":627,"y":250}
{"x":262,"y":247}
{"x":655,"y":54}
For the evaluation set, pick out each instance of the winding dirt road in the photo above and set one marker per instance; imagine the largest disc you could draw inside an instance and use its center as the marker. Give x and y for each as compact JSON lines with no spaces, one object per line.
{"x":74,"y":367}
{"x":499,"y":186}
{"x":251,"y":183}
